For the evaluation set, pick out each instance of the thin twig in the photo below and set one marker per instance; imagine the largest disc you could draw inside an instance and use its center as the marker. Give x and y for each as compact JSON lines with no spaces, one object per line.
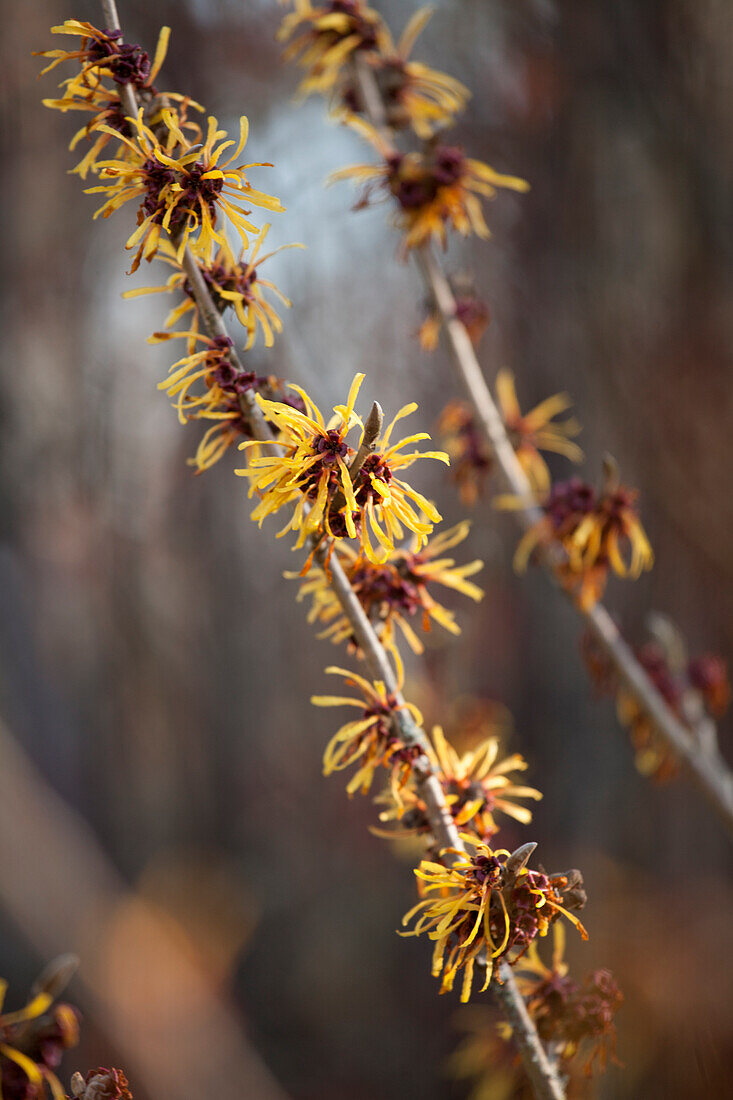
{"x":704,"y":766}
{"x":539,"y":1069}
{"x":60,"y":888}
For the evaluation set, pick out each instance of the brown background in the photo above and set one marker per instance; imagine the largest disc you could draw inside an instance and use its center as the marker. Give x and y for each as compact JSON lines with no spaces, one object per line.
{"x":152,"y":662}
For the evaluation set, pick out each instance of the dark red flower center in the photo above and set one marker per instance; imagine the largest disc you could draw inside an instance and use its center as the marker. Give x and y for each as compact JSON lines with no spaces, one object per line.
{"x":330,"y":447}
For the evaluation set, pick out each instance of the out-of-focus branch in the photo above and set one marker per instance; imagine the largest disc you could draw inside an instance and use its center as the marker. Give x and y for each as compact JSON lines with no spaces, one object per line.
{"x":702,"y":763}
{"x":141,"y":976}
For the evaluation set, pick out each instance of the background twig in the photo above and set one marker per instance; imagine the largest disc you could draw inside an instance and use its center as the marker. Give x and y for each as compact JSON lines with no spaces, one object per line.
{"x":705,"y":767}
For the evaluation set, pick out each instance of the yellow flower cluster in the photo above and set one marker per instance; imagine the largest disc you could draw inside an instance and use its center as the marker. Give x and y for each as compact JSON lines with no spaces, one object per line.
{"x":371,"y":741}
{"x":437,"y":187}
{"x":481,"y":904}
{"x":395,"y":591}
{"x":481,"y":909}
{"x":340,"y":480}
{"x":187,"y":185}
{"x":597,"y":531}
{"x":103,"y":58}
{"x":312,"y":472}
{"x":327,"y":39}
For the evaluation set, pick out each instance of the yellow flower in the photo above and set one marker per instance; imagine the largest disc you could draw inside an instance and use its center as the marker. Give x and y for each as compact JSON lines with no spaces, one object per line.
{"x":386,"y":504}
{"x":36,"y":1073}
{"x":210,"y":365}
{"x":470,"y":458}
{"x":101,"y":54}
{"x":181,"y":189}
{"x":330,"y":34}
{"x":436,"y":189}
{"x":394,"y":591}
{"x":140,"y":173}
{"x":371,"y":741}
{"x":313,"y":473}
{"x":535,"y":431}
{"x":482,"y":906}
{"x":594,"y":531}
{"x":231,"y":282}
{"x":568,"y":1015}
{"x":475,"y":785}
{"x":413,"y":93}
{"x":206,"y":386}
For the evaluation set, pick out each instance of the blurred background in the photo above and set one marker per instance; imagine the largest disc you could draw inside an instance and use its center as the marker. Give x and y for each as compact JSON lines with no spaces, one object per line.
{"x":162,"y":808}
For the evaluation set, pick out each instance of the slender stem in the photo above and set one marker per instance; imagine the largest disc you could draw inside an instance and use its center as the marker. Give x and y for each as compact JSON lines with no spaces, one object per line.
{"x":475,"y":383}
{"x":112,"y":21}
{"x":537,"y":1064}
{"x":540,"y":1071}
{"x":703,"y":764}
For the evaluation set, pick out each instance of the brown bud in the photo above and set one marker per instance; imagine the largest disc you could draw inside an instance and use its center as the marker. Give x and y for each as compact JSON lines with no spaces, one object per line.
{"x":574,"y":894}
{"x":54,"y":978}
{"x":611,"y":476}
{"x":78,"y":1086}
{"x":517,"y":861}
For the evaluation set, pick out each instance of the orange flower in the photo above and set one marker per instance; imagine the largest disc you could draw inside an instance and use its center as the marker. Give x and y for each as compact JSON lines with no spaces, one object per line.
{"x":470,"y":457}
{"x":594,"y":531}
{"x":535,"y":431}
{"x":476,"y":786}
{"x":484,"y":906}
{"x":371,"y":741}
{"x":435,"y":190}
{"x":330,"y":34}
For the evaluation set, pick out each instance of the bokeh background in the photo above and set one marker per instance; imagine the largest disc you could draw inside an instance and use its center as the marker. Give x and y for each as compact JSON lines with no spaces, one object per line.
{"x":162,"y":808}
